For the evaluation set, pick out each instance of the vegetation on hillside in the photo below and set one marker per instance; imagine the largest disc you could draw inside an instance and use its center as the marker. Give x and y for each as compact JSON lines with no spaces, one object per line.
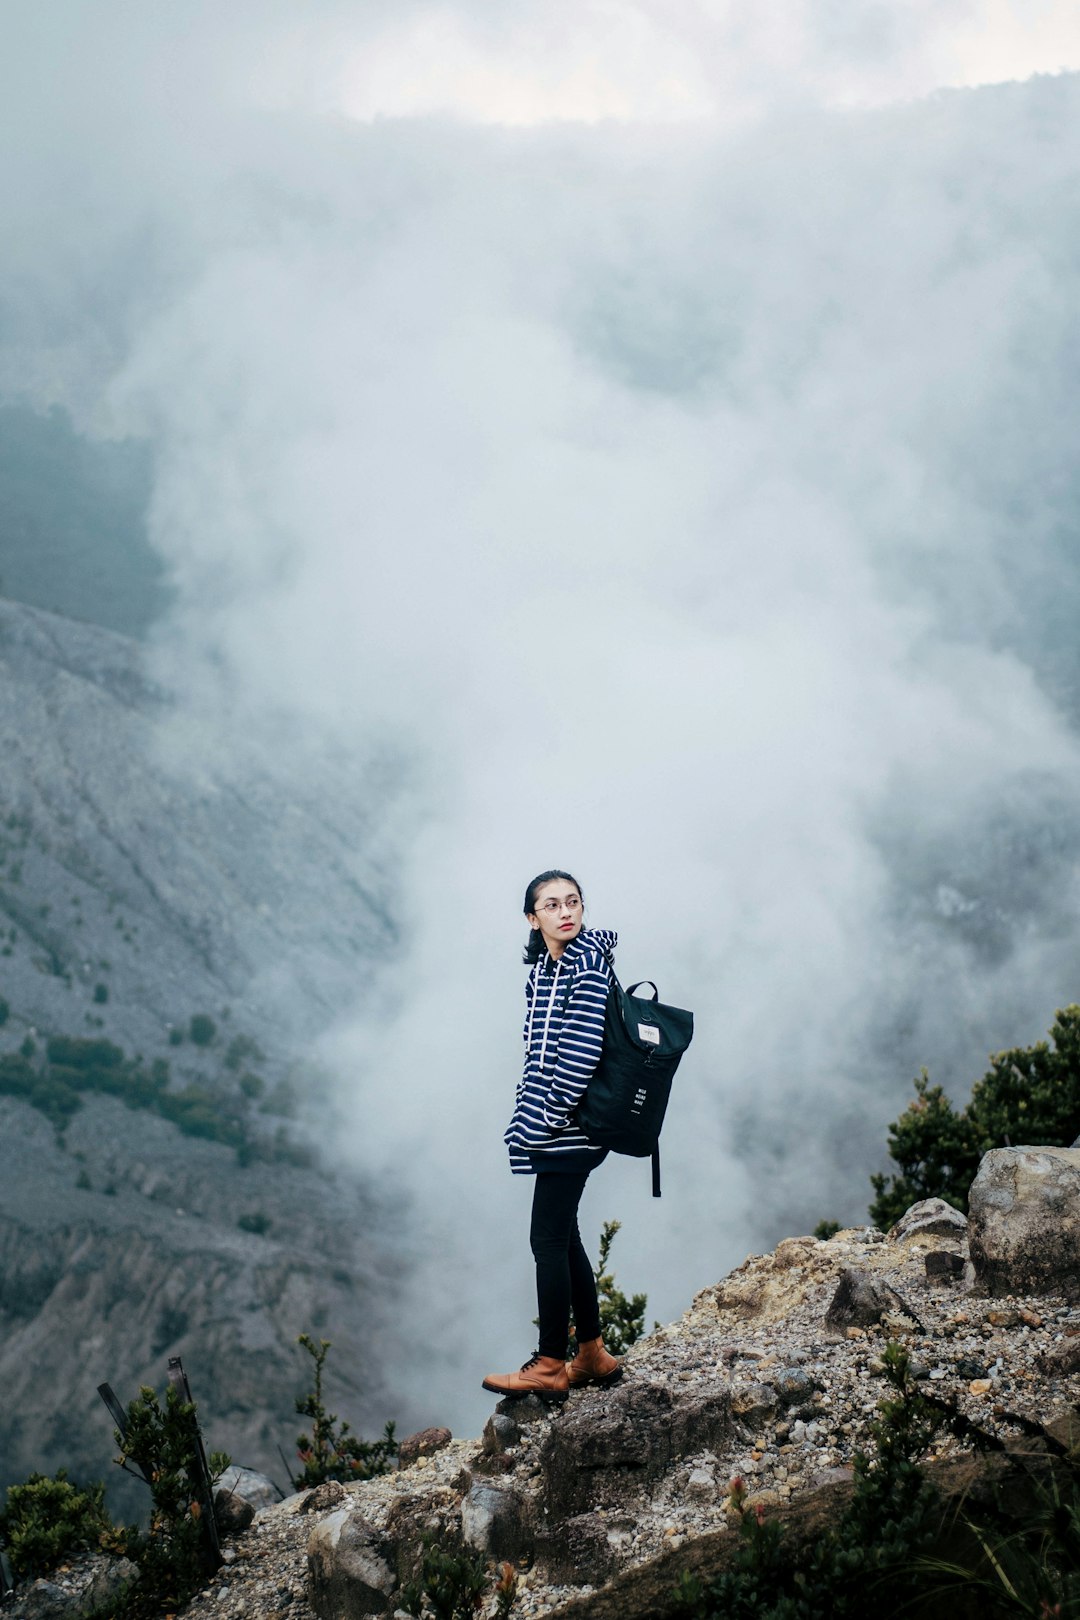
{"x":332,"y":1450}
{"x":1029,"y":1096}
{"x":55,"y":1079}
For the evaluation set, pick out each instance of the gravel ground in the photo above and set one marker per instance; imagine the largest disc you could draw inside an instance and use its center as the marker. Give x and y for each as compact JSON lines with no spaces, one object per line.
{"x":761,"y":1326}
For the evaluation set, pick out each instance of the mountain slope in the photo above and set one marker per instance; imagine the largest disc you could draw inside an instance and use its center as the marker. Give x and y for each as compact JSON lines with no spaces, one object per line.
{"x":139,"y":893}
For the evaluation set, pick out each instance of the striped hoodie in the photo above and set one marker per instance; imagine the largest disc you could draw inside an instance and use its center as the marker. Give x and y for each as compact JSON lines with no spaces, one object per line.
{"x":564,"y":1032}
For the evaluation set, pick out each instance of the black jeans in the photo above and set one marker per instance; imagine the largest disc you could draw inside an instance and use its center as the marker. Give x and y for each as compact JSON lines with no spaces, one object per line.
{"x":564,"y":1277}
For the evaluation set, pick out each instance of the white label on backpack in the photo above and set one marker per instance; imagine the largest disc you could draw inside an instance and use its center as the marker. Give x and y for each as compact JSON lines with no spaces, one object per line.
{"x":649,"y":1032}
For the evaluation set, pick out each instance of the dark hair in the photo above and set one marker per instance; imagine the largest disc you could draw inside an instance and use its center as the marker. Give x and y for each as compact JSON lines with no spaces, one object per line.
{"x":536,"y":947}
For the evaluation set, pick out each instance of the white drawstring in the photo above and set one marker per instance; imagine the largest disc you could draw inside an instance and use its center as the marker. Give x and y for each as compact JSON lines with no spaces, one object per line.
{"x":550,"y":1010}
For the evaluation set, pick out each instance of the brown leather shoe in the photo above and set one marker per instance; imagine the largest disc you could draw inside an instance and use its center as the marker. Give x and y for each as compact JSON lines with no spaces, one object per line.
{"x":593,"y":1365}
{"x":543,"y":1376}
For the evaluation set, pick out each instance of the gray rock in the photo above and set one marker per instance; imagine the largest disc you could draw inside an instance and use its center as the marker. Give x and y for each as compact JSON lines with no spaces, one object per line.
{"x":350,"y":1568}
{"x":1060,"y":1361}
{"x":109,"y":1583}
{"x":330,"y":1494}
{"x":494,"y":1520}
{"x":232,"y":1513}
{"x":250,"y":1486}
{"x":524,"y":1409}
{"x":944,"y":1265}
{"x":44,"y":1600}
{"x":794,"y":1386}
{"x":578,"y":1550}
{"x":90,"y":1586}
{"x":500,"y":1434}
{"x":929,"y":1217}
{"x":425,"y":1443}
{"x":862,"y":1299}
{"x":612,"y":1441}
{"x":754,"y":1404}
{"x":1024,"y":1221}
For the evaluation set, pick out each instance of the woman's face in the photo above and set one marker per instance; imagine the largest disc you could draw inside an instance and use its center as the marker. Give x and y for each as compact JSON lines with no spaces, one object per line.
{"x":559,"y":914}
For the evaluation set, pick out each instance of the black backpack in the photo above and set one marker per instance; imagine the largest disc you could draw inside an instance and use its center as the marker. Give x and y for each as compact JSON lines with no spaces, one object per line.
{"x":625,"y":1101}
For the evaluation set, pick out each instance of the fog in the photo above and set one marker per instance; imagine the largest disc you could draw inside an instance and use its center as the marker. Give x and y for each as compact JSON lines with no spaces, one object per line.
{"x":672,"y":472}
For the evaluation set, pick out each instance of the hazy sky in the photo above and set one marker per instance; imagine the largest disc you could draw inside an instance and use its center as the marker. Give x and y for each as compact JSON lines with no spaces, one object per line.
{"x":654,"y":426}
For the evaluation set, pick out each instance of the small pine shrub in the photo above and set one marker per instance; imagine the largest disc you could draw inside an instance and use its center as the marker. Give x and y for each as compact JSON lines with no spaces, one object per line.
{"x":622,"y":1320}
{"x":179,"y":1550}
{"x":1029,"y":1095}
{"x":451,"y":1585}
{"x":824,"y":1230}
{"x":332,"y":1451}
{"x":47,"y":1521}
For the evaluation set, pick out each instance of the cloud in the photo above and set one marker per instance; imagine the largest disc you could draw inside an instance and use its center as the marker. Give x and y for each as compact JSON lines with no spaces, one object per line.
{"x":691,"y":507}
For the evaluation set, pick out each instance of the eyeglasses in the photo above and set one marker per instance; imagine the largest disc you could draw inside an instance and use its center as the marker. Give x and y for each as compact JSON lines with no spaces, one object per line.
{"x":572,"y":903}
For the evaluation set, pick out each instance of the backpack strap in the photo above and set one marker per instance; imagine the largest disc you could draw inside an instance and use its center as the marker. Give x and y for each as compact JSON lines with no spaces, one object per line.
{"x":656,"y":1171}
{"x":634,"y":988}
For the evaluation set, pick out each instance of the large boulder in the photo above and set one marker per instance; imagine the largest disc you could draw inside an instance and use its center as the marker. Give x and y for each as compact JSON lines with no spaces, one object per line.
{"x":250,"y":1486}
{"x":610,"y":1442}
{"x":350,"y":1568}
{"x":495,"y":1520}
{"x":1024,"y":1221}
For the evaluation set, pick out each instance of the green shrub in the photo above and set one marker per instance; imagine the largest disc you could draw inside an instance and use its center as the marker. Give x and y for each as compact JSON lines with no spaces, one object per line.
{"x":824,"y":1230}
{"x":332,"y":1452}
{"x":5,"y":1011}
{"x":202,"y":1029}
{"x":451,"y":1584}
{"x":1029,"y":1095}
{"x":73,"y":1053}
{"x":101,"y":994}
{"x":179,"y":1550}
{"x":17,"y":1076}
{"x":46,"y":1521}
{"x":622,"y":1320}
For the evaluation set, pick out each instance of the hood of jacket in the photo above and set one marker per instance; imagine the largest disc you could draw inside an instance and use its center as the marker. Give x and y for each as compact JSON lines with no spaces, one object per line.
{"x":592,"y":939}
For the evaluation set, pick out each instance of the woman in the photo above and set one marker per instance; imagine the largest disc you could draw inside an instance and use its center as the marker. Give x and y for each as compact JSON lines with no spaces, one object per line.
{"x":565,"y":996}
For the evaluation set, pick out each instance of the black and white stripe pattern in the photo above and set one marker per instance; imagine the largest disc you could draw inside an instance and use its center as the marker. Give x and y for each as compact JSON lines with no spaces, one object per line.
{"x":564,"y":1033}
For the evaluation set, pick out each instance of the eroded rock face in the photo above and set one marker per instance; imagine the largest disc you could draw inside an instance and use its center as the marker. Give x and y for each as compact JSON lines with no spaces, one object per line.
{"x":1024,"y":1221}
{"x":350,"y":1567}
{"x":612,"y":1441}
{"x":87,"y":1587}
